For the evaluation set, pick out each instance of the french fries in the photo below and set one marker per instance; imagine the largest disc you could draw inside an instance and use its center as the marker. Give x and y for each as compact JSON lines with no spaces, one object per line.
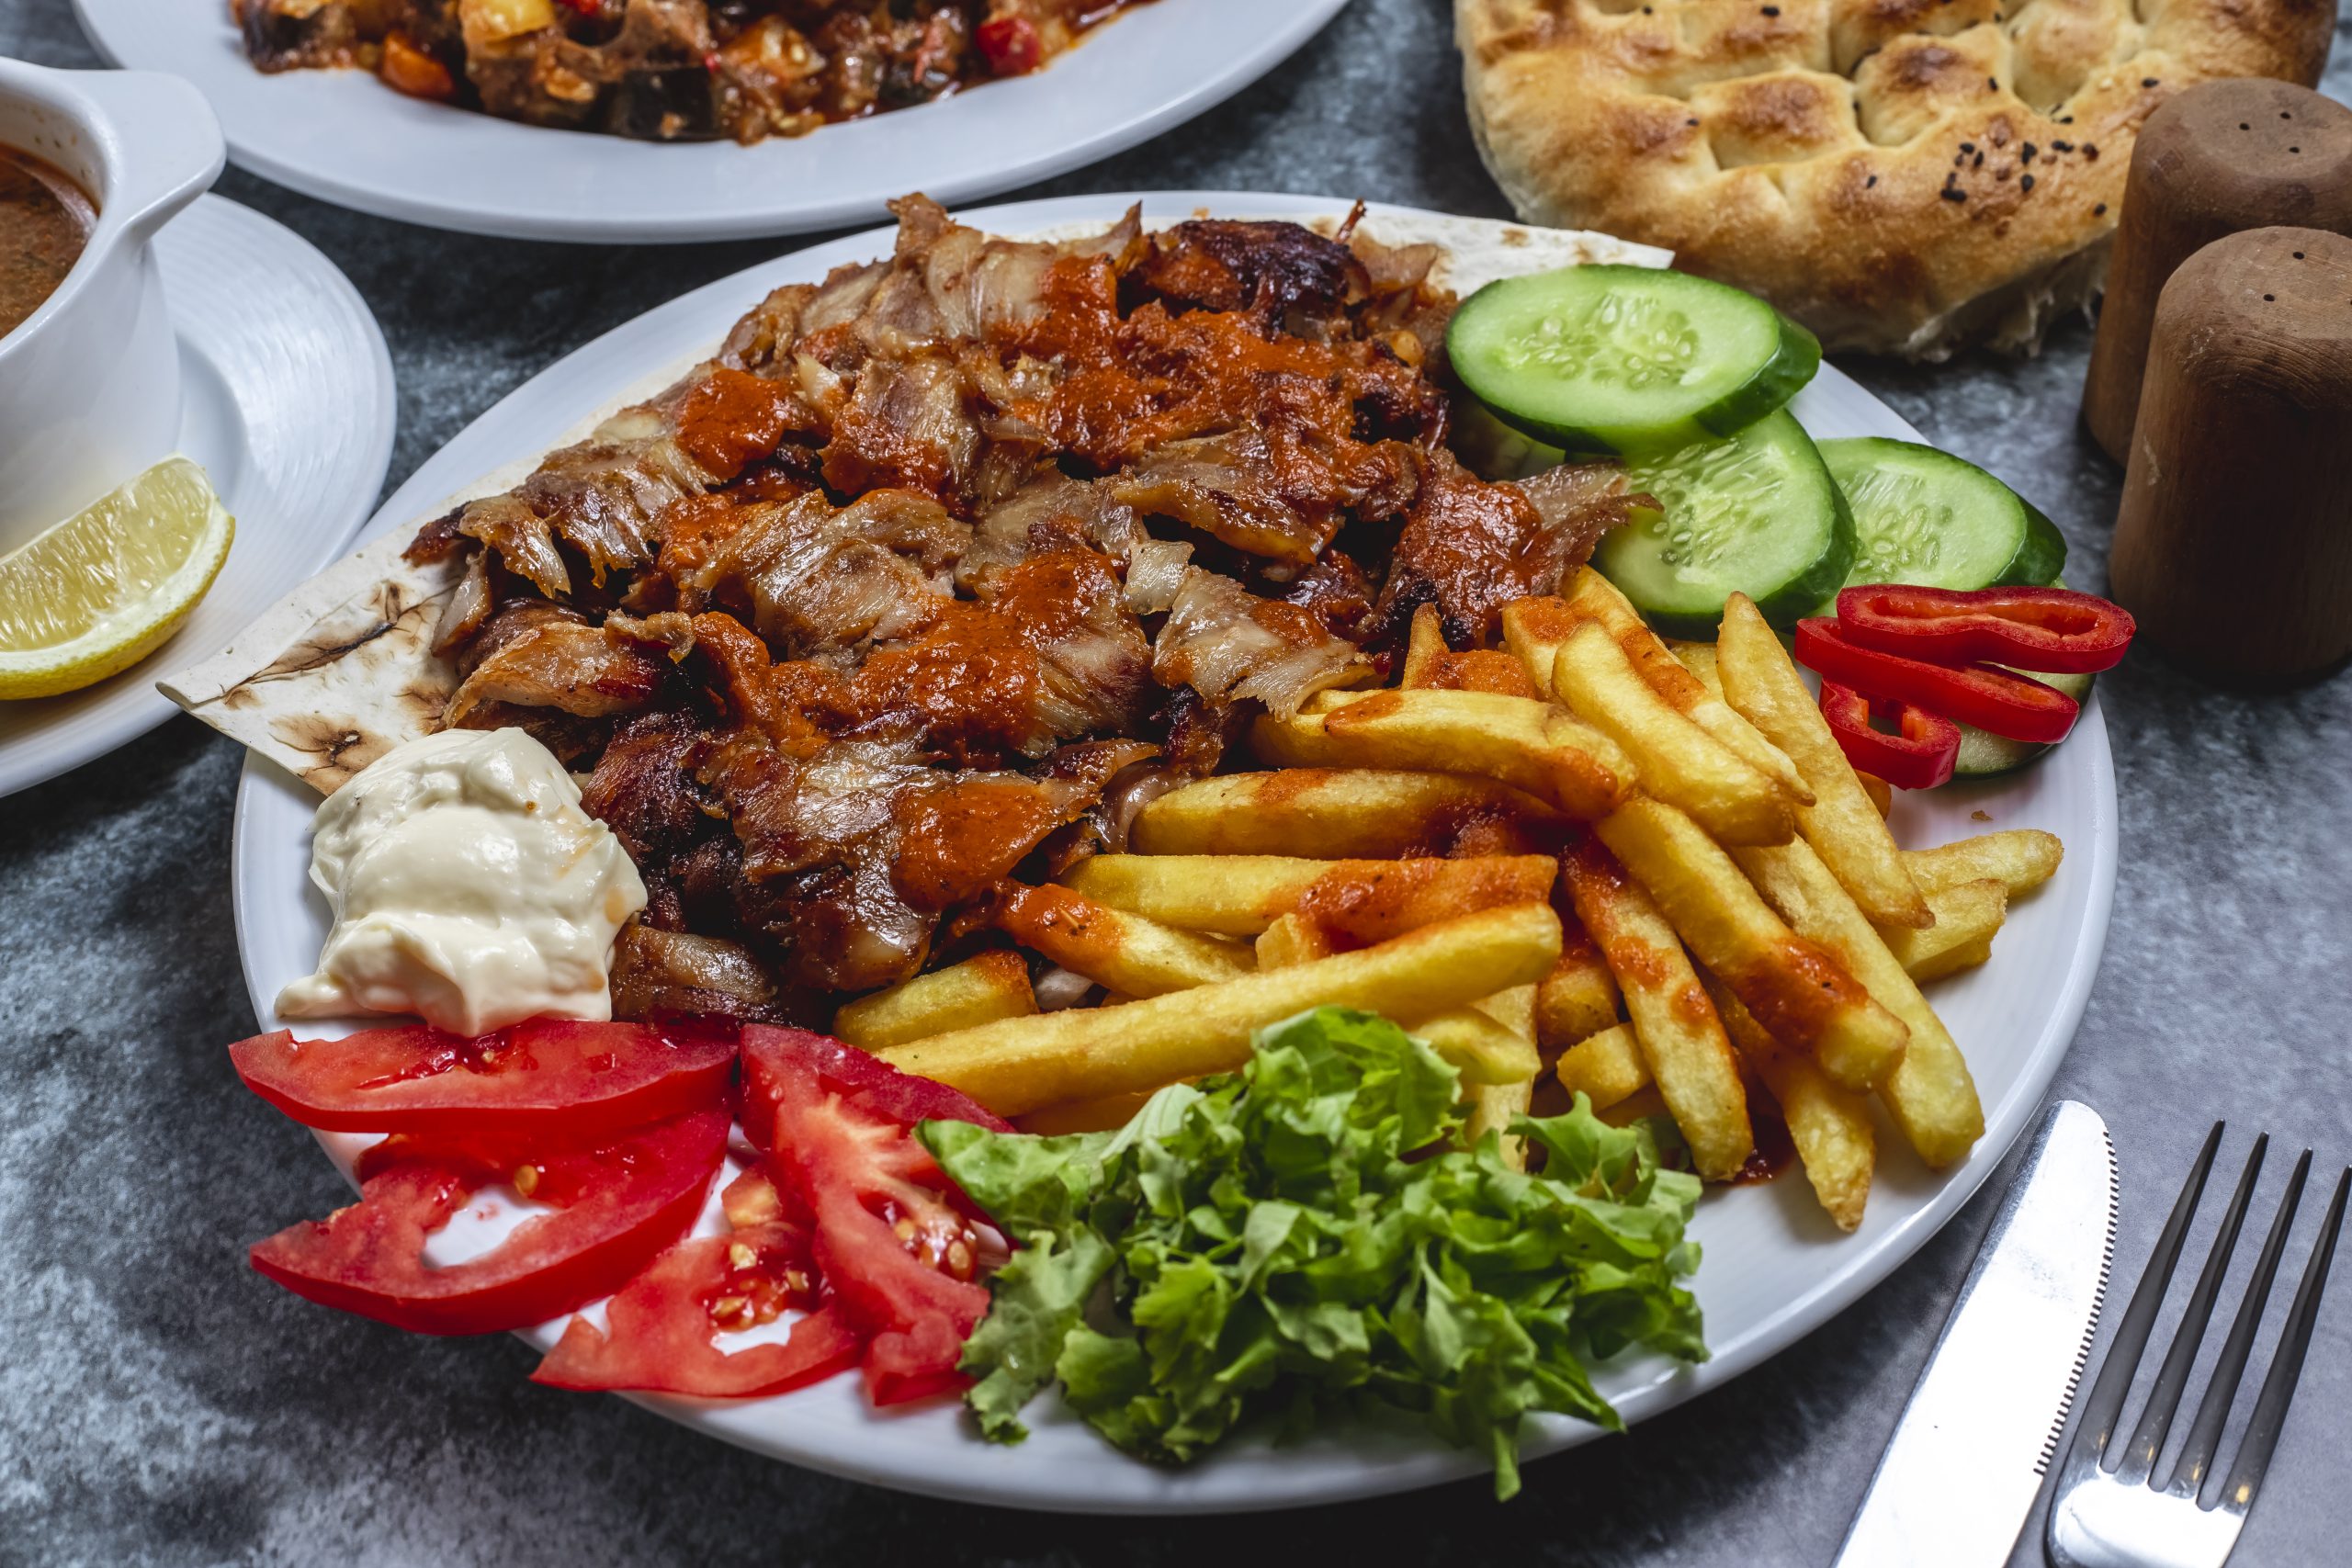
{"x":1802,"y":994}
{"x":2021,"y":859}
{"x":1343,"y":813}
{"x":1968,"y":916}
{"x":980,"y":990}
{"x":1519,"y":741}
{"x":1368,"y":899}
{"x":1608,"y":1066}
{"x":1579,"y":997}
{"x":1493,"y":1107}
{"x":1678,"y":761}
{"x":1680,"y":1033}
{"x":1535,"y":628}
{"x":1488,"y":1042}
{"x":1929,"y":1093}
{"x":1829,"y":1126}
{"x":1129,"y":954}
{"x":1842,"y":825}
{"x":1017,"y":1065}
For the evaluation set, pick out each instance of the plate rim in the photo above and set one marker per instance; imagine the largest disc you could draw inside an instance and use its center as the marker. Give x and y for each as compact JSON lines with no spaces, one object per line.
{"x":143,"y":707}
{"x":1421,"y":1465}
{"x":1294,"y":27}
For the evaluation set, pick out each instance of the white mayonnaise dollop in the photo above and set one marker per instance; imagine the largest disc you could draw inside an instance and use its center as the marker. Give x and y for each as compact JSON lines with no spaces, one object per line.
{"x":467,"y":886}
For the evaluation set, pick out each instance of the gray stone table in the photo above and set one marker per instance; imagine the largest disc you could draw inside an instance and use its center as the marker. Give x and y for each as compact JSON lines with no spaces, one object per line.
{"x":160,"y":1403}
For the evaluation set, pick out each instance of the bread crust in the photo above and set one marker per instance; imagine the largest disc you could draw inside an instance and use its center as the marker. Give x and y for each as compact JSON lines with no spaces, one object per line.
{"x":1901,"y":175}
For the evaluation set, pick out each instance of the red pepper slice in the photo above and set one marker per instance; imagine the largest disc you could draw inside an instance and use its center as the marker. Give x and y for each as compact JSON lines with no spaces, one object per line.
{"x":1921,"y":757}
{"x":2008,"y":704}
{"x":2053,"y":630}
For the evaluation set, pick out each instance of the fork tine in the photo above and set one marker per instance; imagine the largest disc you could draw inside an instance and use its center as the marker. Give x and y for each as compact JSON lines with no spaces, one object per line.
{"x":2163,"y":1398}
{"x":2279,"y":1388}
{"x":2205,"y":1432}
{"x":2106,"y":1402}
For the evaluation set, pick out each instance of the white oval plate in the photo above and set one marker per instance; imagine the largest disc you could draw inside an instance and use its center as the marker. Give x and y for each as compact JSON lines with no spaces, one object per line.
{"x":345,"y":137}
{"x":1774,"y":1268}
{"x":287,"y":401}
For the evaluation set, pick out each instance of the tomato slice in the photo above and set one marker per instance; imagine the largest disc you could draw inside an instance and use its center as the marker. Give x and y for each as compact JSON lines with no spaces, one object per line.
{"x":658,"y":1329}
{"x":618,"y":1205}
{"x":553,"y":1076}
{"x":900,"y":1260}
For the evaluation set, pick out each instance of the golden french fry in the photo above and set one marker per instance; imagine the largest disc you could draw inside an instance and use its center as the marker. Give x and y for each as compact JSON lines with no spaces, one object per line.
{"x":1292,"y":939}
{"x":978,"y":990}
{"x":1424,"y":646}
{"x":1679,"y":762}
{"x":1494,"y":1107}
{"x":1020,"y":1064}
{"x":1802,"y":994}
{"x":1607,"y":1066}
{"x":1830,"y":1124}
{"x":1882,"y":795}
{"x":1534,"y":629}
{"x":1968,"y":915}
{"x":1579,"y":997}
{"x":1367,"y":900}
{"x":1488,"y":1042}
{"x":1520,"y":741}
{"x":1929,"y":1092}
{"x":1343,"y":813}
{"x":2021,"y":858}
{"x":1103,"y":1115}
{"x":1675,"y":1024}
{"x":1486,"y":1050}
{"x":1134,"y":955}
{"x":1842,"y":825}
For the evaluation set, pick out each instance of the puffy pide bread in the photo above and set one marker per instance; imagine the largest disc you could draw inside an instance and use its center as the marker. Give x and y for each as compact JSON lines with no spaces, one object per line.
{"x":1904,"y":177}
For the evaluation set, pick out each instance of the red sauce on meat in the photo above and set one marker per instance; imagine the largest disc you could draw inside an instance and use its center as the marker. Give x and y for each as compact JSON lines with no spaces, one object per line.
{"x":961,"y":838}
{"x":731,"y":417}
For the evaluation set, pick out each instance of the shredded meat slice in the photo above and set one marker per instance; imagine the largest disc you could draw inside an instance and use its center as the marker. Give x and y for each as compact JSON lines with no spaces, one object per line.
{"x":1276,"y":269}
{"x":660,"y":973}
{"x":1050,"y":513}
{"x":588,"y":671}
{"x":819,"y":579}
{"x":1470,"y":547}
{"x":1226,"y":487}
{"x":1228,"y":645}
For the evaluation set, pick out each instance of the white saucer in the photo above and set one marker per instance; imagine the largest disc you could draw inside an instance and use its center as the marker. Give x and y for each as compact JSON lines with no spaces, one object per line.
{"x":287,"y":403}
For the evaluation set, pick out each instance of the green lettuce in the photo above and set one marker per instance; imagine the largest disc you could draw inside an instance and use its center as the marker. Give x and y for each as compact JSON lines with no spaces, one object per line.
{"x":1283,"y":1243}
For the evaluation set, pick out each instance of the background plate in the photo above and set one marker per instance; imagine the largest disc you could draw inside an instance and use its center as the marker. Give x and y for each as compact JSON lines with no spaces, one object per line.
{"x":345,"y":137}
{"x":1775,"y":1268}
{"x":287,"y":401}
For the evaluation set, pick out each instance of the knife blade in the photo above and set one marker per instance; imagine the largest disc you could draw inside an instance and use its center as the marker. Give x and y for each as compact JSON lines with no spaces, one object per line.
{"x":1968,"y":1456}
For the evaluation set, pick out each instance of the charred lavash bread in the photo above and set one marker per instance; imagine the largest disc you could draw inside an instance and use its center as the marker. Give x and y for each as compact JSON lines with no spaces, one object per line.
{"x":1902,"y":176}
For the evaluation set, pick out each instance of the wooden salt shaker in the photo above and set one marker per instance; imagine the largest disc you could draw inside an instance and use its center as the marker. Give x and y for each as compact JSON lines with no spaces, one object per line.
{"x":2233,"y":545}
{"x":2220,"y":157}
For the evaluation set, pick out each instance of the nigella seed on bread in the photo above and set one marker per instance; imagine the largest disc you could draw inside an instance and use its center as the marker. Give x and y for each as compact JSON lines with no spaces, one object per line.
{"x":1902,"y":176}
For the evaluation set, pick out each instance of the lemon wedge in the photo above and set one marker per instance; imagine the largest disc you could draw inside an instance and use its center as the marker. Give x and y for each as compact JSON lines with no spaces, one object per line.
{"x":98,"y":591}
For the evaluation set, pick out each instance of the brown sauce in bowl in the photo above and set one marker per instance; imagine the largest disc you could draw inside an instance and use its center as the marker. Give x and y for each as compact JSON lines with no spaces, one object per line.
{"x":45,"y":220}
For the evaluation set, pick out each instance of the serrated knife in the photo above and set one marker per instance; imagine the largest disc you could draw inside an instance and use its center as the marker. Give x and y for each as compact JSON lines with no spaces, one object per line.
{"x":1968,"y":1456}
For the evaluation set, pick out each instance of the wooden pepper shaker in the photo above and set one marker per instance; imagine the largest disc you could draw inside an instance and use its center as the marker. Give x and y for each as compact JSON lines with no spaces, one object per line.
{"x":2220,"y":157}
{"x":2233,"y":546}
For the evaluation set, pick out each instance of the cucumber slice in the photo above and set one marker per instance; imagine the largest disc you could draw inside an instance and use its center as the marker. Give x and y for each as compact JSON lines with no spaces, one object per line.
{"x":1626,"y":358}
{"x":1756,"y":514}
{"x":1982,"y":754}
{"x":1927,"y":518}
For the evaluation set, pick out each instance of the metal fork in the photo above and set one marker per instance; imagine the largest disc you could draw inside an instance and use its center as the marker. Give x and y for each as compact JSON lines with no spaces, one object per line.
{"x":2124,"y":1515}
